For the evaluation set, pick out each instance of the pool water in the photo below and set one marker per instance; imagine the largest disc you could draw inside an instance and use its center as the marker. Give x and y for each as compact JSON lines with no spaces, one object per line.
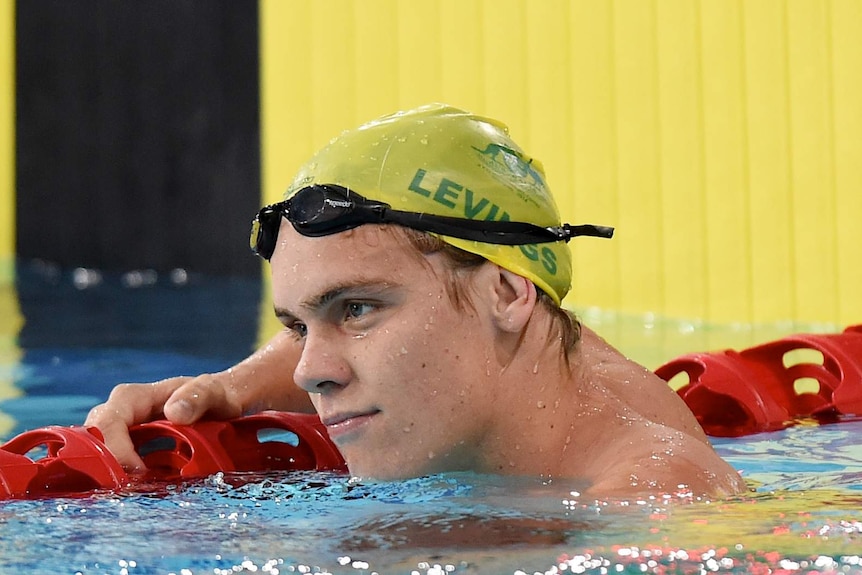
{"x":84,"y":331}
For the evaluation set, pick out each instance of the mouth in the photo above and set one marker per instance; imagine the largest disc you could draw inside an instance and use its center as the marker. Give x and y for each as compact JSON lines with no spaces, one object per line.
{"x":340,"y":425}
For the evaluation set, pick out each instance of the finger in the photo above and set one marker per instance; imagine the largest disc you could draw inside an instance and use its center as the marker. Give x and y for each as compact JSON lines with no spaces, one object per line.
{"x":204,"y":395}
{"x":128,"y":405}
{"x":134,"y":403}
{"x":116,"y":437}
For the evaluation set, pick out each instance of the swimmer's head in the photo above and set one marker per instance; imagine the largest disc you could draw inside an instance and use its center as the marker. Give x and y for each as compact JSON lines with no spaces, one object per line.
{"x":444,"y":161}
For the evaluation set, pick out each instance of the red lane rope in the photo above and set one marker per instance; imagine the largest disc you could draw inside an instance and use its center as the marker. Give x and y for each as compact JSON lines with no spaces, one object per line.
{"x":761,"y":389}
{"x":57,"y":460}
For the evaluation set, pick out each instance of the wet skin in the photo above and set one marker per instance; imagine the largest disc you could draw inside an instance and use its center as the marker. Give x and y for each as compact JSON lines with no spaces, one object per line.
{"x":408,"y":383}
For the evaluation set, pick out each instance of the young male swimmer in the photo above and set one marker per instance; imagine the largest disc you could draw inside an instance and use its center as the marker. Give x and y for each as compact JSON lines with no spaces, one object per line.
{"x":430,"y":344}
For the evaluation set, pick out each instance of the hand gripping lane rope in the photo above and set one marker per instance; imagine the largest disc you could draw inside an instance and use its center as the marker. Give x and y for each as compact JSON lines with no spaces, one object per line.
{"x":75,"y":460}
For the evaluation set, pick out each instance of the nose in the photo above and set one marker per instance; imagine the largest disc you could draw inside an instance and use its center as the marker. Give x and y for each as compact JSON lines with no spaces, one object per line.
{"x":321,"y":368}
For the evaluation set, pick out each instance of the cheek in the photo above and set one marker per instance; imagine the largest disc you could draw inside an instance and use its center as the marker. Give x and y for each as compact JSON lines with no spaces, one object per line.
{"x":441,"y":361}
{"x":434,"y":341}
{"x":412,"y":366}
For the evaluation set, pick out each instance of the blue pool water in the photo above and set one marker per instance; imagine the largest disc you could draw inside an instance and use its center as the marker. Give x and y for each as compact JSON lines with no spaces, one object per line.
{"x":83,"y":332}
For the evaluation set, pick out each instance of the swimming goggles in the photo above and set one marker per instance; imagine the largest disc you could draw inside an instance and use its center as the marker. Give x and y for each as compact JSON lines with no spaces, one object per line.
{"x":321,"y":210}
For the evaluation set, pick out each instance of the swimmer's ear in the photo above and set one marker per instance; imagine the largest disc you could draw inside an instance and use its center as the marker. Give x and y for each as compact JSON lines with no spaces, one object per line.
{"x":514,"y":300}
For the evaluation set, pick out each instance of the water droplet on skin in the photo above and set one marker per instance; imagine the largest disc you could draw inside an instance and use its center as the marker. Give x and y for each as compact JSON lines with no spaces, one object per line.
{"x":407,"y":429}
{"x":540,"y":404}
{"x":536,"y":368}
{"x":423,"y":140}
{"x":431,"y":455}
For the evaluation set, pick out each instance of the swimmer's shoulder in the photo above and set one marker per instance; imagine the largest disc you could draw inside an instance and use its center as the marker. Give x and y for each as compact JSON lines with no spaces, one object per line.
{"x":636,"y":388}
{"x":656,"y":459}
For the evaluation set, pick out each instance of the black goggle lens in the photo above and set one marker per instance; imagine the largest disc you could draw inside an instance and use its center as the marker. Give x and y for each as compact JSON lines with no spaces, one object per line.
{"x":313,"y":211}
{"x":315,"y":206}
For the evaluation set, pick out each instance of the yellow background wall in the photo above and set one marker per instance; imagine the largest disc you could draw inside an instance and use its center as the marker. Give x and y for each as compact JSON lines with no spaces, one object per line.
{"x":723,"y":138}
{"x":7,"y":135}
{"x":10,"y":316}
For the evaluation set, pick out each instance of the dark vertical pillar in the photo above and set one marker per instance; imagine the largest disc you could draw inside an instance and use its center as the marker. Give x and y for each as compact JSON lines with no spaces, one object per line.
{"x":137,"y":133}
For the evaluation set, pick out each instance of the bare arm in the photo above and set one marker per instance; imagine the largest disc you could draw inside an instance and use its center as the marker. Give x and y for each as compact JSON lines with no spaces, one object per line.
{"x":264,"y":380}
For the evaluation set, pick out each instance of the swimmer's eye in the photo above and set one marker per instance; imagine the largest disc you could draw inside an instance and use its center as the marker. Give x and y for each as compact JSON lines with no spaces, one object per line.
{"x":299,"y":329}
{"x":356,"y":309}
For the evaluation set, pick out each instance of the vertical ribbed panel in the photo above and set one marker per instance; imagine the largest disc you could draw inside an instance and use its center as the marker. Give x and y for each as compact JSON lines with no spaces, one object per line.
{"x":721,"y":137}
{"x":812,"y":156}
{"x":845,"y":51}
{"x":726,"y":257}
{"x":592,"y":162}
{"x":681,"y":156}
{"x":10,"y":311}
{"x":640,"y":237}
{"x":7,"y":133}
{"x":770,"y":193}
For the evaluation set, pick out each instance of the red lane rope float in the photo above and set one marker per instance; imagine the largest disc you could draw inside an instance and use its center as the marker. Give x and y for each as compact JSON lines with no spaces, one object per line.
{"x":76,"y":461}
{"x":757,"y":389}
{"x":57,"y":460}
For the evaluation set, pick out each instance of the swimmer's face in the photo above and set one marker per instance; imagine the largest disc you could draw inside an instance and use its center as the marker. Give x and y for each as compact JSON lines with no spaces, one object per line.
{"x":398,"y":374}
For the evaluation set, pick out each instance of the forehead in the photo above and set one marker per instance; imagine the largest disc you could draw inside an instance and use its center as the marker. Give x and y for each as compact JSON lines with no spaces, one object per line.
{"x":367,"y":253}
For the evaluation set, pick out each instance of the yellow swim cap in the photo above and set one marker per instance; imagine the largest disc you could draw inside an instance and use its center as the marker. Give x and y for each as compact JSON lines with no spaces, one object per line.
{"x":440,"y":160}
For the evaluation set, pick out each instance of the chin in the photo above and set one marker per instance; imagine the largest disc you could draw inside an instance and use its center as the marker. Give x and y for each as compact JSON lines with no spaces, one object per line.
{"x":388,"y":466}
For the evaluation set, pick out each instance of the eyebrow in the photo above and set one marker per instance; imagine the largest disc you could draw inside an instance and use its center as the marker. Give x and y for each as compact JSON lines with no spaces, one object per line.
{"x":320,"y":301}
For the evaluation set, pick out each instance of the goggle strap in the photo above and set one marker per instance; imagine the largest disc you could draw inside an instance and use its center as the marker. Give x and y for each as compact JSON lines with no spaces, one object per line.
{"x":591,"y":230}
{"x":495,"y":231}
